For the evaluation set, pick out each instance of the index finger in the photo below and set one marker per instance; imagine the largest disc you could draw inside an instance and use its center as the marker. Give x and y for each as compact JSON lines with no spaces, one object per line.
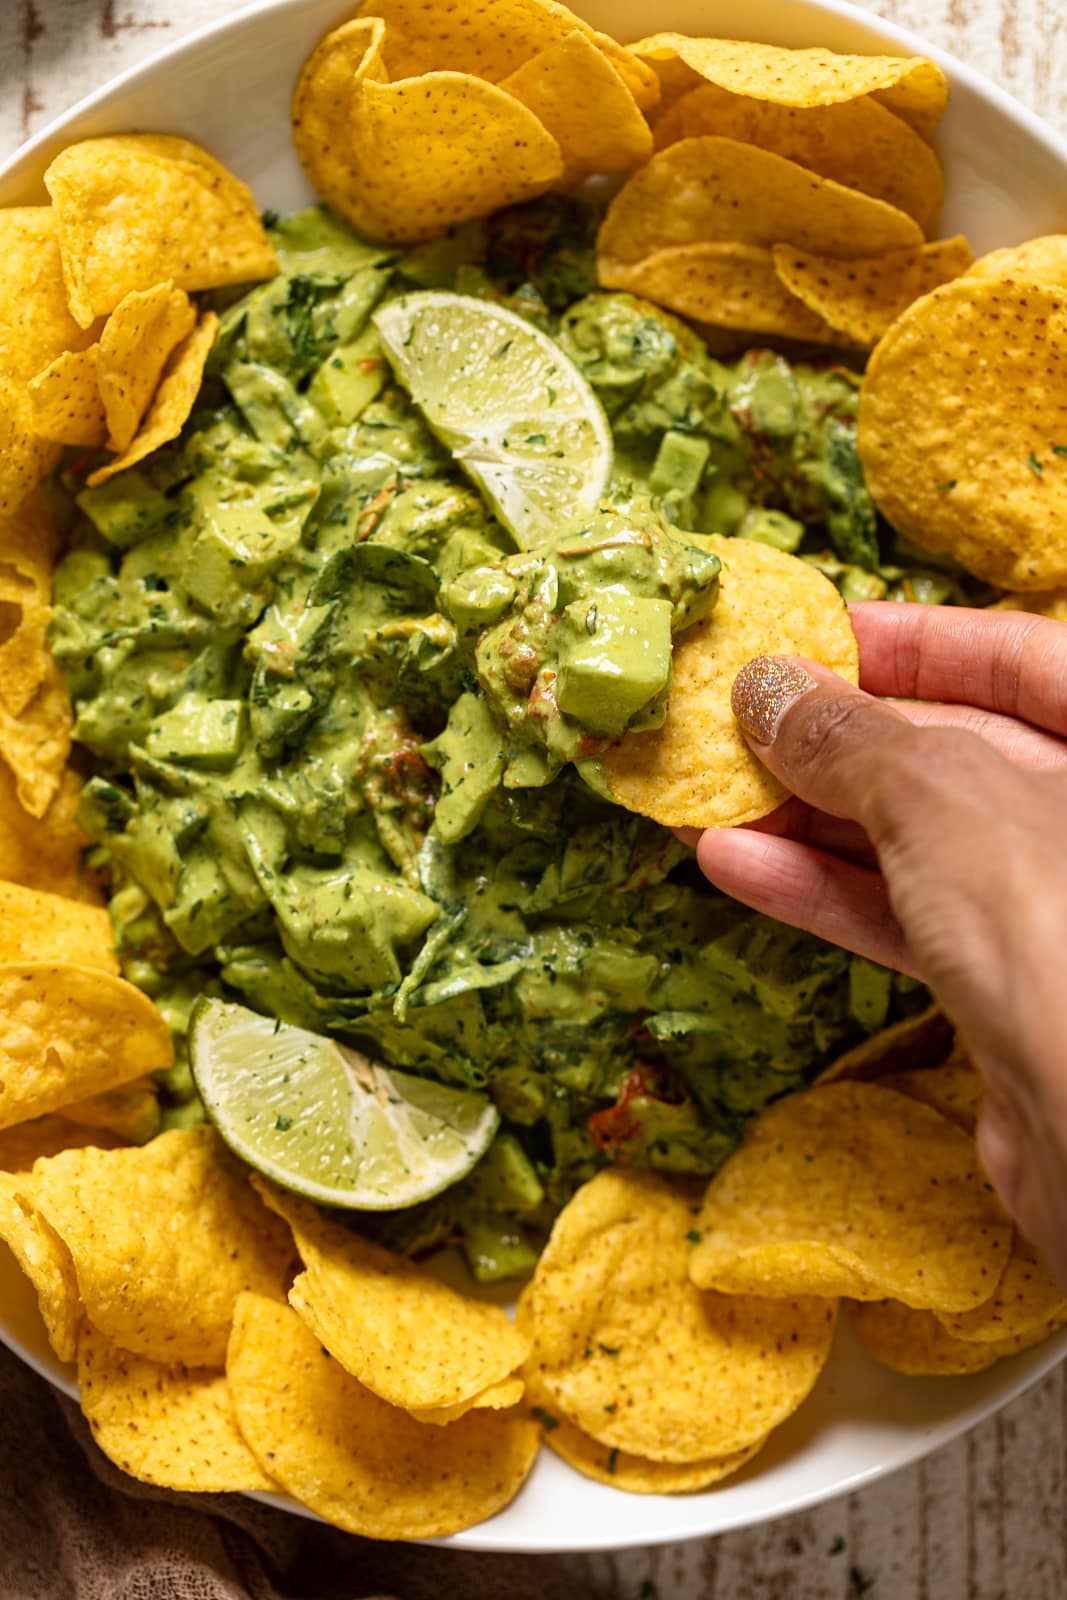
{"x":1007,"y":661}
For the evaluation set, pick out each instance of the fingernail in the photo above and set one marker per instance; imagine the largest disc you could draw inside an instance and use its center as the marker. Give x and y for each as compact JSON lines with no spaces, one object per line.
{"x":763,"y":690}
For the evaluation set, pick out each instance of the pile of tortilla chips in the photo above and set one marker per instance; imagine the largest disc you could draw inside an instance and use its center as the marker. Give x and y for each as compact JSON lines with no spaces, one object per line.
{"x":963,"y":420}
{"x":671,"y":1336}
{"x":415,"y":116}
{"x":100,"y":344}
{"x":791,"y":193}
{"x":367,"y":1389}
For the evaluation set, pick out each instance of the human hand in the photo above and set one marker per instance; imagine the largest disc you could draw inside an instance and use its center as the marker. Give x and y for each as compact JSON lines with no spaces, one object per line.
{"x":929,"y":835}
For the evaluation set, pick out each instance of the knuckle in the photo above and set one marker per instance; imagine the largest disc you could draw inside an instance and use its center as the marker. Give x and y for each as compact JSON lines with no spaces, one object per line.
{"x":833,"y":726}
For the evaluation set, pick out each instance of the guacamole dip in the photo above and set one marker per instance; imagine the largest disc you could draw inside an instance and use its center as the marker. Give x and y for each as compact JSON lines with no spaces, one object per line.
{"x":333,"y":715}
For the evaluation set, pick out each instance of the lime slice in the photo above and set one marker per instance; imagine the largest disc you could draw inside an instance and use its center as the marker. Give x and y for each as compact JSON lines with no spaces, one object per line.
{"x":320,"y":1118}
{"x":514,"y":411}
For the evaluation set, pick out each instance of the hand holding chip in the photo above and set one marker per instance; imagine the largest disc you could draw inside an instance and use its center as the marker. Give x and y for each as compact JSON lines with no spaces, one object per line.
{"x":926,"y":833}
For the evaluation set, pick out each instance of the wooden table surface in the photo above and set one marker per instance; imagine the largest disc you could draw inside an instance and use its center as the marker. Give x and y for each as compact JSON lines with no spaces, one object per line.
{"x":986,"y":1517}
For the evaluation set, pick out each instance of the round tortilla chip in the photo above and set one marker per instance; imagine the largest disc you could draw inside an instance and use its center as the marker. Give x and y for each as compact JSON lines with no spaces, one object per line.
{"x":164,"y":1237}
{"x":620,"y":1469}
{"x":171,"y":1426}
{"x":913,"y":88}
{"x":35,"y":321}
{"x":697,"y":770}
{"x":404,"y":161}
{"x":857,"y":143}
{"x":172,"y":402}
{"x":1042,"y":260}
{"x":710,"y":189}
{"x":409,"y":1338}
{"x":44,"y":1258}
{"x":1027,"y":1300}
{"x":728,"y":285}
{"x":852,"y":1189}
{"x":962,"y":428}
{"x":633,"y":1354}
{"x":362,"y":1464}
{"x":578,"y":95}
{"x":916,"y":1343}
{"x":493,"y":38}
{"x":111,"y":196}
{"x":862,"y":298}
{"x":954,"y":1088}
{"x":922,"y":1040}
{"x":1043,"y":603}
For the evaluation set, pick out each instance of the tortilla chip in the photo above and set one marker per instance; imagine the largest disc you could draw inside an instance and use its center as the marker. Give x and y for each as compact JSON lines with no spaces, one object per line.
{"x":404,"y":1334}
{"x":28,"y":541}
{"x":922,"y":1040}
{"x":963,"y":430}
{"x":711,"y":190}
{"x":862,"y":298}
{"x":1043,"y":603}
{"x":46,"y":1261}
{"x":727,"y":285}
{"x":36,"y":926}
{"x":696,"y":770}
{"x":25,"y":458}
{"x":36,"y":744}
{"x":619,"y":1469}
{"x":360,"y":1463}
{"x":21,"y":1146}
{"x":1027,"y":1300}
{"x":851,"y":1189}
{"x":137,"y":340}
{"x":404,"y":161}
{"x":1042,"y":260}
{"x":173,"y":400}
{"x":35,"y":322}
{"x":65,"y":400}
{"x":954,"y":1088}
{"x":492,"y":38}
{"x":44,"y":852}
{"x":632,"y":1353}
{"x":113,"y":198}
{"x":164,"y":1237}
{"x":916,"y":1343}
{"x":171,"y":1426}
{"x":495,"y":1397}
{"x":858,"y":143}
{"x":913,"y":89}
{"x":579,"y":97}
{"x":67,"y":1032}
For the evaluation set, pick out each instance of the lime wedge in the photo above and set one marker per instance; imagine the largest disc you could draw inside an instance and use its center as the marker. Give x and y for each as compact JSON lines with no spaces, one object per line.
{"x":515,"y":412}
{"x":320,"y":1118}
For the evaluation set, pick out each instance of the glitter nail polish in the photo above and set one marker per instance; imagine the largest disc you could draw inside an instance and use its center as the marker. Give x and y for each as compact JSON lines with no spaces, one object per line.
{"x":763,"y":690}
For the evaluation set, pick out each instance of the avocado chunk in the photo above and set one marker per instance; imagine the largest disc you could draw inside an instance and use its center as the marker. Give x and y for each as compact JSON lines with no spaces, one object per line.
{"x":615,"y":656}
{"x":350,"y":379}
{"x":205,"y":733}
{"x":679,"y":464}
{"x":479,"y":596}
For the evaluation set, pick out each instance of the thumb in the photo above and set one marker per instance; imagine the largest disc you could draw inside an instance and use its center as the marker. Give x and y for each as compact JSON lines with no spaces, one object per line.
{"x":815,"y":731}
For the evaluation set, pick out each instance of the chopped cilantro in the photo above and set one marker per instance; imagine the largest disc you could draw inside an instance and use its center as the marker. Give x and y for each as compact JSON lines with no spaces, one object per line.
{"x":283,"y":1123}
{"x":1035,"y":466}
{"x":694,"y":1236}
{"x":614,"y":1456}
{"x":610,"y":1349}
{"x":545,"y":1418}
{"x":943,"y":488}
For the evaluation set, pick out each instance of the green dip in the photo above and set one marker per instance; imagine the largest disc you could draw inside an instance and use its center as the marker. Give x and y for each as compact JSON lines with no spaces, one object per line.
{"x":333,"y":713}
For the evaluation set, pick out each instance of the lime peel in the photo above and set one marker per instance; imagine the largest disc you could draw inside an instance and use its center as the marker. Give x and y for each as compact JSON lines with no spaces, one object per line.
{"x":323,"y":1120}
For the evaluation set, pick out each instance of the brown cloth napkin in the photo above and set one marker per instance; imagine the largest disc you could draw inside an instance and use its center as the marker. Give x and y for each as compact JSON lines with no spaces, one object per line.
{"x":72,"y":1527}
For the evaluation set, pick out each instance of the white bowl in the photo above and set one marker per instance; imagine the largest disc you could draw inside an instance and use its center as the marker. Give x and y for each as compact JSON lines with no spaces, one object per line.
{"x":228,"y":86}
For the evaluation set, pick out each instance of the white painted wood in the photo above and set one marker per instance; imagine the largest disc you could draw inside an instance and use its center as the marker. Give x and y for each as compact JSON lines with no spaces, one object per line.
{"x":984,"y":1519}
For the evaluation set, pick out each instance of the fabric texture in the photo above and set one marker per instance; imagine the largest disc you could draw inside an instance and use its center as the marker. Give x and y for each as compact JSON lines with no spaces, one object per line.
{"x":73,"y":1527}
